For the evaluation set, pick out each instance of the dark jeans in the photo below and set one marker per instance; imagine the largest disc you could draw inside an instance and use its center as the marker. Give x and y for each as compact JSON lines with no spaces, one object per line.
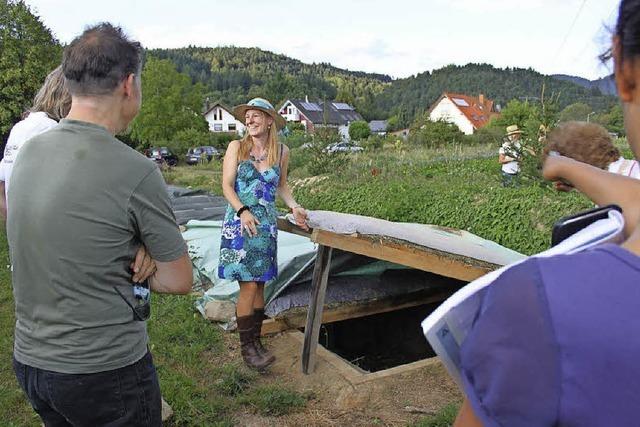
{"x":510,"y":179}
{"x":128,"y":396}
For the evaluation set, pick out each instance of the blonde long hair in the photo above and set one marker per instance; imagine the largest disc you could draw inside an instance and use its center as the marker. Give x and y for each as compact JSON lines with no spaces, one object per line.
{"x":246,"y":144}
{"x":53,"y":97}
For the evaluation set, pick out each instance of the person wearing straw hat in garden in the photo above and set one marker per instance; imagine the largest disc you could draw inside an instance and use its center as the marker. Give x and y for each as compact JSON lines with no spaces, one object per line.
{"x":253,"y":173}
{"x":509,"y":156}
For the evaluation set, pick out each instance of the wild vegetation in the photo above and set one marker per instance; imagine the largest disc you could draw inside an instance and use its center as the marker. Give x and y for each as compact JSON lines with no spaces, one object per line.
{"x":28,"y":52}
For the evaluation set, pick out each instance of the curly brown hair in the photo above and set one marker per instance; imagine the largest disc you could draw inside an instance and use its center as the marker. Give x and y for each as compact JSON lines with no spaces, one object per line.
{"x":586,"y":142}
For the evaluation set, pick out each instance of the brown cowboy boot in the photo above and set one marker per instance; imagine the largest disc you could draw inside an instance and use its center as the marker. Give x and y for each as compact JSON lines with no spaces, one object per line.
{"x":250,"y":354}
{"x":258,"y":317}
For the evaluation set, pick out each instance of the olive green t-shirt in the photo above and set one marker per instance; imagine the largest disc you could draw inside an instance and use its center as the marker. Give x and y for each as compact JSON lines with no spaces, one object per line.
{"x":80,"y":204}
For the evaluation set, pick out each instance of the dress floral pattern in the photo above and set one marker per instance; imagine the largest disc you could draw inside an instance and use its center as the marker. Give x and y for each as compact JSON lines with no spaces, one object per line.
{"x":244,"y":258}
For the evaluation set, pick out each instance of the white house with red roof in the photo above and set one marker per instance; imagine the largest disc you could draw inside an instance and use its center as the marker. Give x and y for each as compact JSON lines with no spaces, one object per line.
{"x":468,"y":113}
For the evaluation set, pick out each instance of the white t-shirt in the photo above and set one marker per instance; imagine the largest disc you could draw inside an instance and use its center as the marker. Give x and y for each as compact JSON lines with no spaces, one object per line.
{"x":34,"y":124}
{"x":510,"y":149}
{"x":625,"y":167}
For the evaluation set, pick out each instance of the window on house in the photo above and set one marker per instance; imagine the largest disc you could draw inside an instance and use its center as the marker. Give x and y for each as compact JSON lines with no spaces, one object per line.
{"x":461,"y":102}
{"x":217,"y":127}
{"x":232,"y":127}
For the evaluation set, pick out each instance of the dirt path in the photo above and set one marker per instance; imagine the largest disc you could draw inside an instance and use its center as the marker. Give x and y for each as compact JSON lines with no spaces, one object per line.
{"x":338,"y":402}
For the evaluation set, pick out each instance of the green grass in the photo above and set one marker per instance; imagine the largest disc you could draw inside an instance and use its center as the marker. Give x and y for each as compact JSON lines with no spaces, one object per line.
{"x":206,"y":176}
{"x":234,"y":379}
{"x":14,"y":407}
{"x":273,"y":400}
{"x":463,"y":194}
{"x":443,"y":418}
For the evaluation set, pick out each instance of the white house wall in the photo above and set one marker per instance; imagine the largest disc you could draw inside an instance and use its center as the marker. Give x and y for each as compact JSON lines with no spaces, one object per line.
{"x":446,"y":110}
{"x":344,"y":132}
{"x":290,"y":112}
{"x":223,"y":124}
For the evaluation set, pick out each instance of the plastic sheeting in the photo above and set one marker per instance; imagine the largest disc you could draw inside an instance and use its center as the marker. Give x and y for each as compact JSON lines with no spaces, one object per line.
{"x":190,"y":204}
{"x":443,"y":239}
{"x":352,"y":277}
{"x":203,"y":242}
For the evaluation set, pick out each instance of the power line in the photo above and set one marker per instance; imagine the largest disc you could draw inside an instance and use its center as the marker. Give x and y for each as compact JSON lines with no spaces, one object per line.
{"x":566,"y":37}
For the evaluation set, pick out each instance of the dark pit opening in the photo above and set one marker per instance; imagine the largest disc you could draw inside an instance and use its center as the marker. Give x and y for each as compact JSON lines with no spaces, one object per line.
{"x":381,"y":341}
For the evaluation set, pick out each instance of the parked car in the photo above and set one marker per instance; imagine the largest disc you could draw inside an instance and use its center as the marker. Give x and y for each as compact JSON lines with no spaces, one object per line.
{"x":200,"y":154}
{"x":162,"y":155}
{"x":343,"y":147}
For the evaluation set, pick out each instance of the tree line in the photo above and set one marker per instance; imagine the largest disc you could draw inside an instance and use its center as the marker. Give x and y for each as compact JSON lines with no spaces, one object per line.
{"x":177,"y":82}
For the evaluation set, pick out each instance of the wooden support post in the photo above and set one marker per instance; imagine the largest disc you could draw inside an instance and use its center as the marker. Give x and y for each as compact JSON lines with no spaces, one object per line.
{"x":316,"y":306}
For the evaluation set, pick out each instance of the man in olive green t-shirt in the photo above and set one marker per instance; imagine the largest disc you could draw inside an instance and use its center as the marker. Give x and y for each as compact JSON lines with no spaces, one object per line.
{"x":80,"y":205}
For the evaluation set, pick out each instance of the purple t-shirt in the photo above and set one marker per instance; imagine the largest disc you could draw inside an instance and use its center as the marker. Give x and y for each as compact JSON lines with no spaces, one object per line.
{"x":557,"y":343}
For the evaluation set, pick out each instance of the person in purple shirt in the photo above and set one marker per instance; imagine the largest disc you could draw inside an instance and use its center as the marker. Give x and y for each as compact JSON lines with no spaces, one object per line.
{"x":555,"y":342}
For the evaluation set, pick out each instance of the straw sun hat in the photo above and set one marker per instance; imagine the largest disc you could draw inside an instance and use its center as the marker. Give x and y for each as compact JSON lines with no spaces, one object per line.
{"x":262,"y":105}
{"x":513,"y":130}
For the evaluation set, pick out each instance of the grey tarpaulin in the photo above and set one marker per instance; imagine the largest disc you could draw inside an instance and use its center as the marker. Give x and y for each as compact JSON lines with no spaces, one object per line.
{"x":190,"y":204}
{"x":355,"y":278}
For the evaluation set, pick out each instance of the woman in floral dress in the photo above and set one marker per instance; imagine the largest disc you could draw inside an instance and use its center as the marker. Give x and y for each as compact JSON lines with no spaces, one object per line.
{"x":254,"y":171}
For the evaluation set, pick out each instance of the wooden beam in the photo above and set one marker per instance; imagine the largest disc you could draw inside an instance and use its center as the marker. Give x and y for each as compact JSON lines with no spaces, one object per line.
{"x":352,"y":311}
{"x":421,"y":259}
{"x":285,"y":225}
{"x":316,"y":306}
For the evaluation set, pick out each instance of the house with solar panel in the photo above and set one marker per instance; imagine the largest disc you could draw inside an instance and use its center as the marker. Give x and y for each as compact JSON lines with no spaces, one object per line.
{"x":314,"y":114}
{"x":468,"y":113}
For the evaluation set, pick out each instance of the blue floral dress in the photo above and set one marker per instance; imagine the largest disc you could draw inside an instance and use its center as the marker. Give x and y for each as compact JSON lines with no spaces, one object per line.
{"x":244,"y":258}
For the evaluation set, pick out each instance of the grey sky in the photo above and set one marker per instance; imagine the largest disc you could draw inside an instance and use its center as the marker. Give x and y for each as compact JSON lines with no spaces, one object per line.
{"x":399,"y":38}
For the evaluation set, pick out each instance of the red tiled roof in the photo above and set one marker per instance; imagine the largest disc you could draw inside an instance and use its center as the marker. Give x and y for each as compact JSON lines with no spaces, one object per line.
{"x":476,"y":112}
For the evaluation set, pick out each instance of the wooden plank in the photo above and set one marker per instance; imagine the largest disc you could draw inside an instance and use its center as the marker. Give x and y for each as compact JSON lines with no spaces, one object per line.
{"x":352,"y":311}
{"x":285,"y":225}
{"x":316,"y":306}
{"x":401,"y":254}
{"x":273,"y":326}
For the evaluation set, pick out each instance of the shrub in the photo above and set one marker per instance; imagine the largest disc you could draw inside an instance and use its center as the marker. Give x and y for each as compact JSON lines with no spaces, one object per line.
{"x":486,"y":135}
{"x":297,"y":138}
{"x":359,"y":130}
{"x":295,"y":127}
{"x":298,"y":158}
{"x":374,"y":142}
{"x":393,"y":124}
{"x":434,"y":134}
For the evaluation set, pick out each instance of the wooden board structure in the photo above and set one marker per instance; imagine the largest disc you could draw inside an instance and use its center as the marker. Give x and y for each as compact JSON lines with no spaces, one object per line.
{"x":378,"y":247}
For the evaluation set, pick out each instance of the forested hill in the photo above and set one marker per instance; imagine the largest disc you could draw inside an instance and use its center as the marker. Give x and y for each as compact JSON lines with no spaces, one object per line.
{"x":607,"y":85}
{"x":406,"y":97}
{"x":234,"y":74}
